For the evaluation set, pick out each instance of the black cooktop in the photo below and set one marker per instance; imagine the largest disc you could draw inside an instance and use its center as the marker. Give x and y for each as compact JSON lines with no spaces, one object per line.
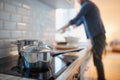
{"x":12,"y":65}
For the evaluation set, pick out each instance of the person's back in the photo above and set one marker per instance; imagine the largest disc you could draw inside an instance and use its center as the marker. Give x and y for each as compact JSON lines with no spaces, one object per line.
{"x":89,"y":15}
{"x":93,"y":20}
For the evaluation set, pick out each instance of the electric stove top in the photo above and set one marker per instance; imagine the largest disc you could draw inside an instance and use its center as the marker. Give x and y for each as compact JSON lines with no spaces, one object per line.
{"x":12,"y":65}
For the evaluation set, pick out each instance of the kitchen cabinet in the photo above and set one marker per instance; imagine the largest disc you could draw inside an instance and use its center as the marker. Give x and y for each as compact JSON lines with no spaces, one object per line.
{"x":64,"y":4}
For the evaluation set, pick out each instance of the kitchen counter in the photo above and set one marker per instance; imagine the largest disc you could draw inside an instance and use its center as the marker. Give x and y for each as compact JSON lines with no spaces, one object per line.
{"x":77,"y":64}
{"x":71,"y":68}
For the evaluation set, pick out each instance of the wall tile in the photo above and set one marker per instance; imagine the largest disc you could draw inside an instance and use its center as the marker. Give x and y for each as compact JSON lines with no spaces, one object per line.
{"x":26,"y":19}
{"x":23,"y":19}
{"x":26,"y":6}
{"x":1,"y":44}
{"x":4,"y":44}
{"x":16,"y":3}
{"x":10,"y":26}
{"x":1,"y":5}
{"x":16,"y":34}
{"x":10,"y":8}
{"x":21,"y":26}
{"x":22,"y":11}
{"x":5,"y":34}
{"x":1,"y":24}
{"x":7,"y":43}
{"x":16,"y":18}
{"x":4,"y":15}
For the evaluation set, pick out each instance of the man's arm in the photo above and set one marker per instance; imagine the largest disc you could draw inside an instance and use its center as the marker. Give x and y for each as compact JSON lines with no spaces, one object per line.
{"x":84,"y":9}
{"x":64,"y":28}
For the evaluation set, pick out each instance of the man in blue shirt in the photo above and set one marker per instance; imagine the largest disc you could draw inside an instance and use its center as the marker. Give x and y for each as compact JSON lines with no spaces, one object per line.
{"x":89,"y":15}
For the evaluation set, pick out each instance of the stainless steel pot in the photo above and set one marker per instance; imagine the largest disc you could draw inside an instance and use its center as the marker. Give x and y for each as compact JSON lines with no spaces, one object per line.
{"x":40,"y":57}
{"x":20,"y":46}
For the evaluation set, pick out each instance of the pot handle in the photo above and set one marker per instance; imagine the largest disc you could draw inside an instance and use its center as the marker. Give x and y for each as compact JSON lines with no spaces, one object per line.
{"x":66,"y":51}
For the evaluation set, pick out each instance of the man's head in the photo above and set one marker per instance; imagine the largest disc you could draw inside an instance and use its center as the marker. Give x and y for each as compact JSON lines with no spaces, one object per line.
{"x":81,"y":1}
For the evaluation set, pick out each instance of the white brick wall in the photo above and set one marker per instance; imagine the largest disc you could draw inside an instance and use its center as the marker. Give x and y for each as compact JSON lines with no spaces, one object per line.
{"x":22,"y":11}
{"x":5,"y":34}
{"x":16,"y":3}
{"x":9,"y":25}
{"x":10,"y":8}
{"x":22,"y":26}
{"x":24,"y":19}
{"x":1,"y":44}
{"x":1,"y":5}
{"x":16,"y":34}
{"x":1,"y":25}
{"x":25,"y":6}
{"x":16,"y":18}
{"x":4,"y":15}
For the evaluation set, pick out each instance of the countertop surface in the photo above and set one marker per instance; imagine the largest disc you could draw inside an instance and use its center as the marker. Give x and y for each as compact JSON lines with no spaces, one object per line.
{"x":81,"y":55}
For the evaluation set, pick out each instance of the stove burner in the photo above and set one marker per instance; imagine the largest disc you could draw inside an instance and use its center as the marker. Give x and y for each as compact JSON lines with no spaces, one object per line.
{"x":35,"y":73}
{"x":13,"y":66}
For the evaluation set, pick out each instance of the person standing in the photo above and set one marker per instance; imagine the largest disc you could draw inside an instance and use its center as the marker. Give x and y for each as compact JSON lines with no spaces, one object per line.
{"x":89,"y":15}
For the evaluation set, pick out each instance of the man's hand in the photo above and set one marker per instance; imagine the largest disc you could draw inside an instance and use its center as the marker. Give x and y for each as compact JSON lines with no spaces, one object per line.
{"x":64,"y":28}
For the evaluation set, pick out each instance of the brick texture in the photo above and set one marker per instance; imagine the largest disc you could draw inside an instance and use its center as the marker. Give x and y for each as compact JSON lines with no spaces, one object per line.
{"x":4,"y":15}
{"x":1,"y":25}
{"x":9,"y":25}
{"x":1,"y":5}
{"x":24,"y":19}
{"x":4,"y":34}
{"x":25,"y":6}
{"x":16,"y":18}
{"x":10,"y":8}
{"x":22,"y":26}
{"x":22,"y":11}
{"x":16,"y":34}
